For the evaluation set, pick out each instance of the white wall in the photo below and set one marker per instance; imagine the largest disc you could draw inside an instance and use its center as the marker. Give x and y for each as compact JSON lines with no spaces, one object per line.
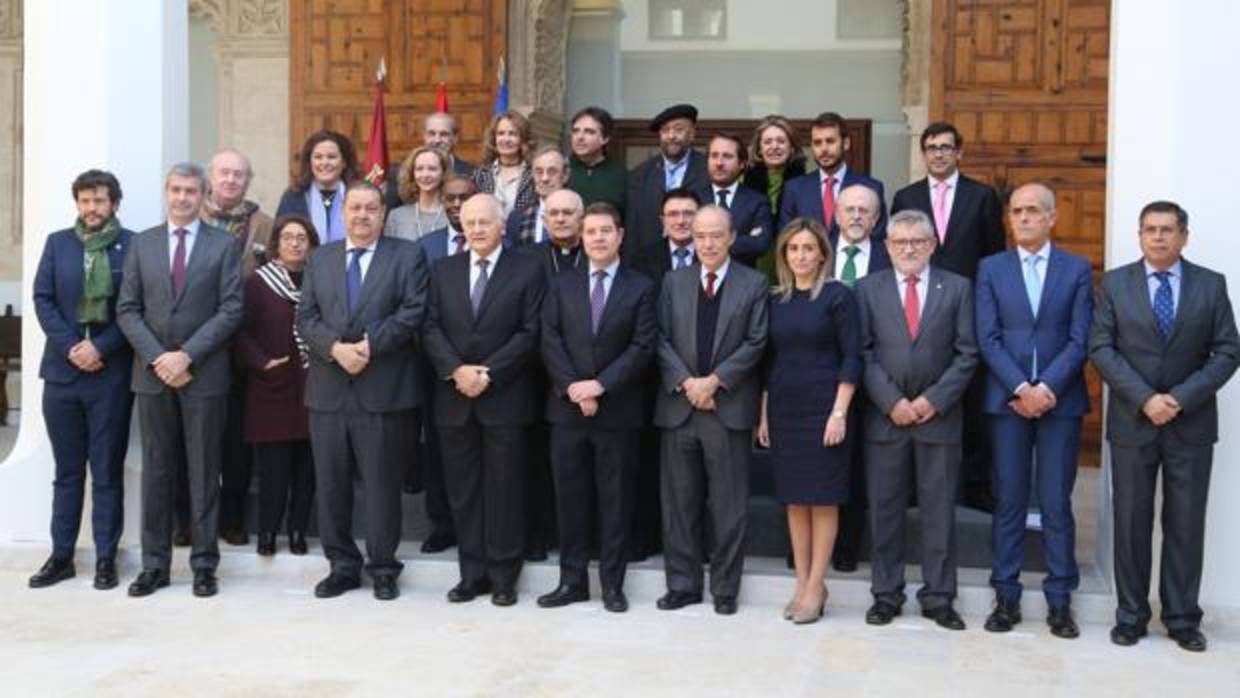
{"x":1170,"y":100}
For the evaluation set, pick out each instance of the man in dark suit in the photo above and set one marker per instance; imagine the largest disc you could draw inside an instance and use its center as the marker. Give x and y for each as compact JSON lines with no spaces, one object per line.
{"x":814,"y":194}
{"x":1033,"y":309}
{"x":1164,"y":339}
{"x":674,"y":248}
{"x":598,"y":336}
{"x":179,"y":304}
{"x":528,"y":226}
{"x":362,"y":304}
{"x":560,"y":249}
{"x":726,"y":158}
{"x":712,"y":333}
{"x":917,"y":329}
{"x":439,"y":129}
{"x":676,"y":164}
{"x":482,"y":340}
{"x":86,"y":370}
{"x":968,"y":222}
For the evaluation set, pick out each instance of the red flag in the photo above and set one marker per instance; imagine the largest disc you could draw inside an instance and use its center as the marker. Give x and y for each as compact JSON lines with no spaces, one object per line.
{"x":441,"y":98}
{"x":377,"y":163}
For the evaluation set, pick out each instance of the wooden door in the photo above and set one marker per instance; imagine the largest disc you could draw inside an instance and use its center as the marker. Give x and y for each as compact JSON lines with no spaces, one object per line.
{"x":1025,"y":81}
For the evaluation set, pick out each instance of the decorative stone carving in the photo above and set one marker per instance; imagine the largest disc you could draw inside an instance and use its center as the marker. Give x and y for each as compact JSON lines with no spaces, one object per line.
{"x":537,"y":49}
{"x":261,"y":18}
{"x":10,"y":19}
{"x":915,"y":76}
{"x":212,"y":11}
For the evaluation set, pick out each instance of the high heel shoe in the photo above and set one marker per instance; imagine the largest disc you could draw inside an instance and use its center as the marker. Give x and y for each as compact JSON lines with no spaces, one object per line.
{"x":790,"y":609}
{"x":805,"y":616}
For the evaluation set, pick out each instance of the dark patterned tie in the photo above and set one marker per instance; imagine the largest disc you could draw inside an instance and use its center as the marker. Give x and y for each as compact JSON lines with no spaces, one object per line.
{"x":480,"y":285}
{"x":353,"y":278}
{"x":1164,"y":304}
{"x":598,"y":299}
{"x":723,"y":197}
{"x":178,"y":263}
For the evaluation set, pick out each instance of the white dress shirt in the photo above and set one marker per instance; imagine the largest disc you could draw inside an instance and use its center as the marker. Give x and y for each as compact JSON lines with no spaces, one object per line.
{"x":861,"y":260}
{"x":493,"y":258}
{"x":191,"y":234}
{"x":364,"y":262}
{"x":720,"y":274}
{"x":607,"y":280}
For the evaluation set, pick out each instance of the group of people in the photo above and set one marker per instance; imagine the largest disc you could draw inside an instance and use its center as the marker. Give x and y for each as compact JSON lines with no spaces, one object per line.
{"x":579,"y":353}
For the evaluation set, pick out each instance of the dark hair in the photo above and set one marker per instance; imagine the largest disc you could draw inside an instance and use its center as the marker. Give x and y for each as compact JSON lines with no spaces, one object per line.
{"x":364,"y":185}
{"x":829,"y":119}
{"x":742,"y":154}
{"x":305,"y":175}
{"x":599,"y":114}
{"x":938,"y":128}
{"x":679,"y":193}
{"x":602,"y":208}
{"x":273,"y":243}
{"x":1181,"y":216}
{"x":93,"y":179}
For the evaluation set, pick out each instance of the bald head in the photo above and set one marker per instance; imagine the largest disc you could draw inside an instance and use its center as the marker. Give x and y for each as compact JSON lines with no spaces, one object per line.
{"x":562,"y":214}
{"x":228,"y":178}
{"x":712,"y":236}
{"x":856,"y":212}
{"x":482,"y":221}
{"x":1031,"y":215}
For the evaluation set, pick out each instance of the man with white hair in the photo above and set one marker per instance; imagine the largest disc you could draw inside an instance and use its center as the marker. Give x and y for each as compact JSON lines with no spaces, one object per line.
{"x":228,"y":180}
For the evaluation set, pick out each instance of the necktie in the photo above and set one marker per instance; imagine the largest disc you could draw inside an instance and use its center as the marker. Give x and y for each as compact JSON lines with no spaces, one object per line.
{"x":598,"y":299}
{"x":912,"y":311}
{"x":682,"y":257}
{"x":1033,"y":287}
{"x":940,"y":209}
{"x":849,"y":273}
{"x":710,"y":285}
{"x":480,"y":285}
{"x":459,"y":241}
{"x":328,"y":195}
{"x":1164,"y":304}
{"x":723,"y":197}
{"x":828,"y":201}
{"x":353,"y":278}
{"x":178,"y":262}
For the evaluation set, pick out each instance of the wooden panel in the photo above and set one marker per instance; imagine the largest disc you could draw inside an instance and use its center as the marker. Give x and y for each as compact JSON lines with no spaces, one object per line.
{"x":335,"y":46}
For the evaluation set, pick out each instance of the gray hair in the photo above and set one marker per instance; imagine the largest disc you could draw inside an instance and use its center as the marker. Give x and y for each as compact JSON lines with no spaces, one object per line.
{"x":187,"y":169}
{"x":440,"y":115}
{"x":913,"y":220}
{"x":1046,"y":195}
{"x":867,"y":190}
{"x":249,"y":168}
{"x":719,"y":210}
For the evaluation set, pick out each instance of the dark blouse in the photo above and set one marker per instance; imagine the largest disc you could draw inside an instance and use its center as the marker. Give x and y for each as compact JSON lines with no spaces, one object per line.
{"x":274,"y":409}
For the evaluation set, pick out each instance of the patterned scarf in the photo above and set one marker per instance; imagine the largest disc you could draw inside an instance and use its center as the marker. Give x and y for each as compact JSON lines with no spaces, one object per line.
{"x":235,"y":220}
{"x":278,"y":280}
{"x":97,"y":281}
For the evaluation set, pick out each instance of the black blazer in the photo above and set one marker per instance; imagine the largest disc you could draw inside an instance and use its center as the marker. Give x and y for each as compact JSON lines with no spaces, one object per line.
{"x":550,"y":259}
{"x":974,"y":229}
{"x":758,"y":177}
{"x":504,"y":338}
{"x":751,"y":219}
{"x":645,"y":191}
{"x":617,"y":356}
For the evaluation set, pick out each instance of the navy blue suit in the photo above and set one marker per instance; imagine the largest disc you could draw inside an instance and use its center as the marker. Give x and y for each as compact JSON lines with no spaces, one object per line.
{"x":1009,"y":331}
{"x":87,"y":414}
{"x":803,"y":198}
{"x":751,"y":219}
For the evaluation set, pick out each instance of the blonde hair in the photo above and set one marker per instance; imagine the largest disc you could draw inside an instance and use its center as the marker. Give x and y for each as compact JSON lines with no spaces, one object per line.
{"x":405,"y":183}
{"x":785,"y":279}
{"x":489,"y":152}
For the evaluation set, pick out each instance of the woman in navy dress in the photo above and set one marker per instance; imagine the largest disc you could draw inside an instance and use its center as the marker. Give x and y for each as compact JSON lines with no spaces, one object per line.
{"x":812,"y":369}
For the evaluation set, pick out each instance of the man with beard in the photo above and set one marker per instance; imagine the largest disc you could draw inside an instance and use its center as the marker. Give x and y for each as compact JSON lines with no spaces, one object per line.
{"x":814,"y":195}
{"x":675,"y":165}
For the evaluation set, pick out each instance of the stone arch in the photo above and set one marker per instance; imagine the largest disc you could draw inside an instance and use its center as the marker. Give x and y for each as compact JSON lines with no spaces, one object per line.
{"x":537,"y":54}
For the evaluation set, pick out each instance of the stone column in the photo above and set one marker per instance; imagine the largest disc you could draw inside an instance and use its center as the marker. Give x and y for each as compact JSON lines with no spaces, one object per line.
{"x":10,"y":154}
{"x":537,"y":45}
{"x":915,"y":77}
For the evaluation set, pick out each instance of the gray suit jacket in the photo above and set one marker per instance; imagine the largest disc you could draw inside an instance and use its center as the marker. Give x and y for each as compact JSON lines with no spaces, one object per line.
{"x":1192,"y":365}
{"x":937,"y":364}
{"x":740,"y":338}
{"x":390,"y":310}
{"x":200,"y":321}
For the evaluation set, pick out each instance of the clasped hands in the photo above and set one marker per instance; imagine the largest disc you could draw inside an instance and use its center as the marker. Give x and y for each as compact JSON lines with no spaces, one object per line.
{"x":86,"y":357}
{"x":1033,"y":401}
{"x":907,"y":412}
{"x":471,"y":380}
{"x":701,"y":391}
{"x":172,"y":367}
{"x":1161,"y":408}
{"x":585,"y":395}
{"x":353,"y":357}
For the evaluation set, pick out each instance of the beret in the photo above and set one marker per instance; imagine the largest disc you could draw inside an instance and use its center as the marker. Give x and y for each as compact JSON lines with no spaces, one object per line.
{"x":679,"y":111}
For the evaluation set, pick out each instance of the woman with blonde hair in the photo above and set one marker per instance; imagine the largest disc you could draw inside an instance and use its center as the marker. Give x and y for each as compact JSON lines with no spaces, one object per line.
{"x":420,"y":181}
{"x":505,"y":167}
{"x":813,"y":367}
{"x":775,"y":158}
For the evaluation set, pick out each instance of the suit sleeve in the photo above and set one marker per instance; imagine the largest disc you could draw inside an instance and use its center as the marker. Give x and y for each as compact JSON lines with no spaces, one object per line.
{"x":395,"y":331}
{"x":749,"y":246}
{"x":995,"y":235}
{"x":631,"y":365}
{"x":439,"y":350}
{"x":1066,"y":366}
{"x":947,"y":390}
{"x":787,"y":206}
{"x":1200,"y":385}
{"x":555,"y":357}
{"x":880,"y":226}
{"x":309,"y":318}
{"x":219,"y":328}
{"x":61,"y":333}
{"x":990,"y":335}
{"x":130,"y":307}
{"x":671,"y":366}
{"x":514,"y":355}
{"x":883,"y":391}
{"x":1104,"y":352}
{"x":746,"y":357}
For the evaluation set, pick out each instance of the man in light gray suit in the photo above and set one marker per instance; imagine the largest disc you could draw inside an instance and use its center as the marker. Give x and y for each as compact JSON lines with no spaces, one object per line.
{"x":362,"y":304}
{"x":920,"y":352}
{"x":1164,"y":339}
{"x":179,"y":303}
{"x":712,"y":332}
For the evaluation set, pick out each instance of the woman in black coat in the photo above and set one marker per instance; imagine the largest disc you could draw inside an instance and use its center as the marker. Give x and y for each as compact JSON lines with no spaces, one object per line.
{"x":775,"y":157}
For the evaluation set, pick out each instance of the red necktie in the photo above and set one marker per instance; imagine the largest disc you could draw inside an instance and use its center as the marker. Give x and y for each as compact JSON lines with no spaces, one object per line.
{"x":828,"y":201}
{"x":912,"y":311}
{"x":710,"y":285}
{"x":178,"y":262}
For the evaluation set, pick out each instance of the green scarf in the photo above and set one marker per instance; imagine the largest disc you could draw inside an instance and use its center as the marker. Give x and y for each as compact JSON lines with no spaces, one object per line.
{"x":97,"y":282}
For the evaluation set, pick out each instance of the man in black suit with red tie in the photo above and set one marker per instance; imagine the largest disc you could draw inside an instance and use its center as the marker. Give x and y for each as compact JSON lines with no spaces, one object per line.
{"x":598,"y":336}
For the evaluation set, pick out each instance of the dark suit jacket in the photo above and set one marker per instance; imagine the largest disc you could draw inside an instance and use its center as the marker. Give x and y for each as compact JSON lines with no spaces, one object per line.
{"x":1136,"y":363}
{"x":803,"y":198}
{"x":740,"y":339}
{"x":504,"y":338}
{"x":390,"y":309}
{"x":974,"y":229}
{"x":1007,"y":331}
{"x":57,"y":290}
{"x":752,"y":221}
{"x":655,"y":260}
{"x":645,"y":191}
{"x":757,"y":177}
{"x":937,"y":364}
{"x":549,"y":257}
{"x":617,"y":356}
{"x":878,"y":260}
{"x":199,"y":322}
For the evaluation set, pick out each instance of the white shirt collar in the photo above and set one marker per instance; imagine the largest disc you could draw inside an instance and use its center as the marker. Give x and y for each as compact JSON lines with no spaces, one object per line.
{"x":730,"y":189}
{"x":1044,"y":252}
{"x":839,"y":175}
{"x":348,"y":245}
{"x":672,"y":247}
{"x":951,"y":181}
{"x":493,"y":258}
{"x":863,"y":245}
{"x":720,"y":273}
{"x":1177,"y":269}
{"x":610,"y":268}
{"x":191,"y":229}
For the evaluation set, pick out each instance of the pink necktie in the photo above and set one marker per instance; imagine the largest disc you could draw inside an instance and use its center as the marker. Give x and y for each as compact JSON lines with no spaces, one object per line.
{"x":940,"y":209}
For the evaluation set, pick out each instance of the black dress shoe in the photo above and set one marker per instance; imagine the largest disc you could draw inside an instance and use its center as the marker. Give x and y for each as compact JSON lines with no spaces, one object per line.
{"x":334,"y":585}
{"x":504,"y":597}
{"x":1059,"y":619}
{"x":944,"y":617}
{"x":1005,"y":616}
{"x":297,"y":543}
{"x":673,"y":600}
{"x":105,"y":574}
{"x":266,"y":544}
{"x":468,"y":591}
{"x":725,"y":605}
{"x":536,"y":555}
{"x":563,"y":596}
{"x":148,"y":582}
{"x":181,"y":539}
{"x":386,"y":588}
{"x":881,"y":613}
{"x":1189,"y":639}
{"x":844,"y":563}
{"x":615,"y":601}
{"x":1127,"y":634}
{"x":438,"y":541}
{"x":235,"y":537}
{"x":205,"y":584}
{"x":56,"y":569}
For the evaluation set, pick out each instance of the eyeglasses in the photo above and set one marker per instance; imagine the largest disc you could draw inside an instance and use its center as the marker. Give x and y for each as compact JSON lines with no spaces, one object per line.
{"x":940,"y":149}
{"x":910,"y":243}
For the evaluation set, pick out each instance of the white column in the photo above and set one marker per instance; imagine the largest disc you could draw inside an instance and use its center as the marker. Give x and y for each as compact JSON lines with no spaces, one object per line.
{"x":1171,"y":137}
{"x":104,"y":87}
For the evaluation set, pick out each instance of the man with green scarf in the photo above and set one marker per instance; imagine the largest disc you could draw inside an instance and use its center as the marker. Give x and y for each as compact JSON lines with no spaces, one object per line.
{"x":86,"y":369}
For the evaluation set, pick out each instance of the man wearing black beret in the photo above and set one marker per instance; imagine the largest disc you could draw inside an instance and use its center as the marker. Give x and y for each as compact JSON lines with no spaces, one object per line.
{"x":675,"y":165}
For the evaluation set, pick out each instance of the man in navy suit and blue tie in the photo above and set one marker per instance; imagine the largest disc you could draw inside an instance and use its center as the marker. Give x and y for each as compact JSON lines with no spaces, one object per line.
{"x":1034,"y":304}
{"x":814,"y":195}
{"x":86,"y":371}
{"x":726,"y":158}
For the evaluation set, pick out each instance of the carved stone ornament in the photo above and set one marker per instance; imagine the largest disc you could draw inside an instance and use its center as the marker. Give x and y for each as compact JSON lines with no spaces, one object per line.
{"x":10,"y":19}
{"x":247,"y":19}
